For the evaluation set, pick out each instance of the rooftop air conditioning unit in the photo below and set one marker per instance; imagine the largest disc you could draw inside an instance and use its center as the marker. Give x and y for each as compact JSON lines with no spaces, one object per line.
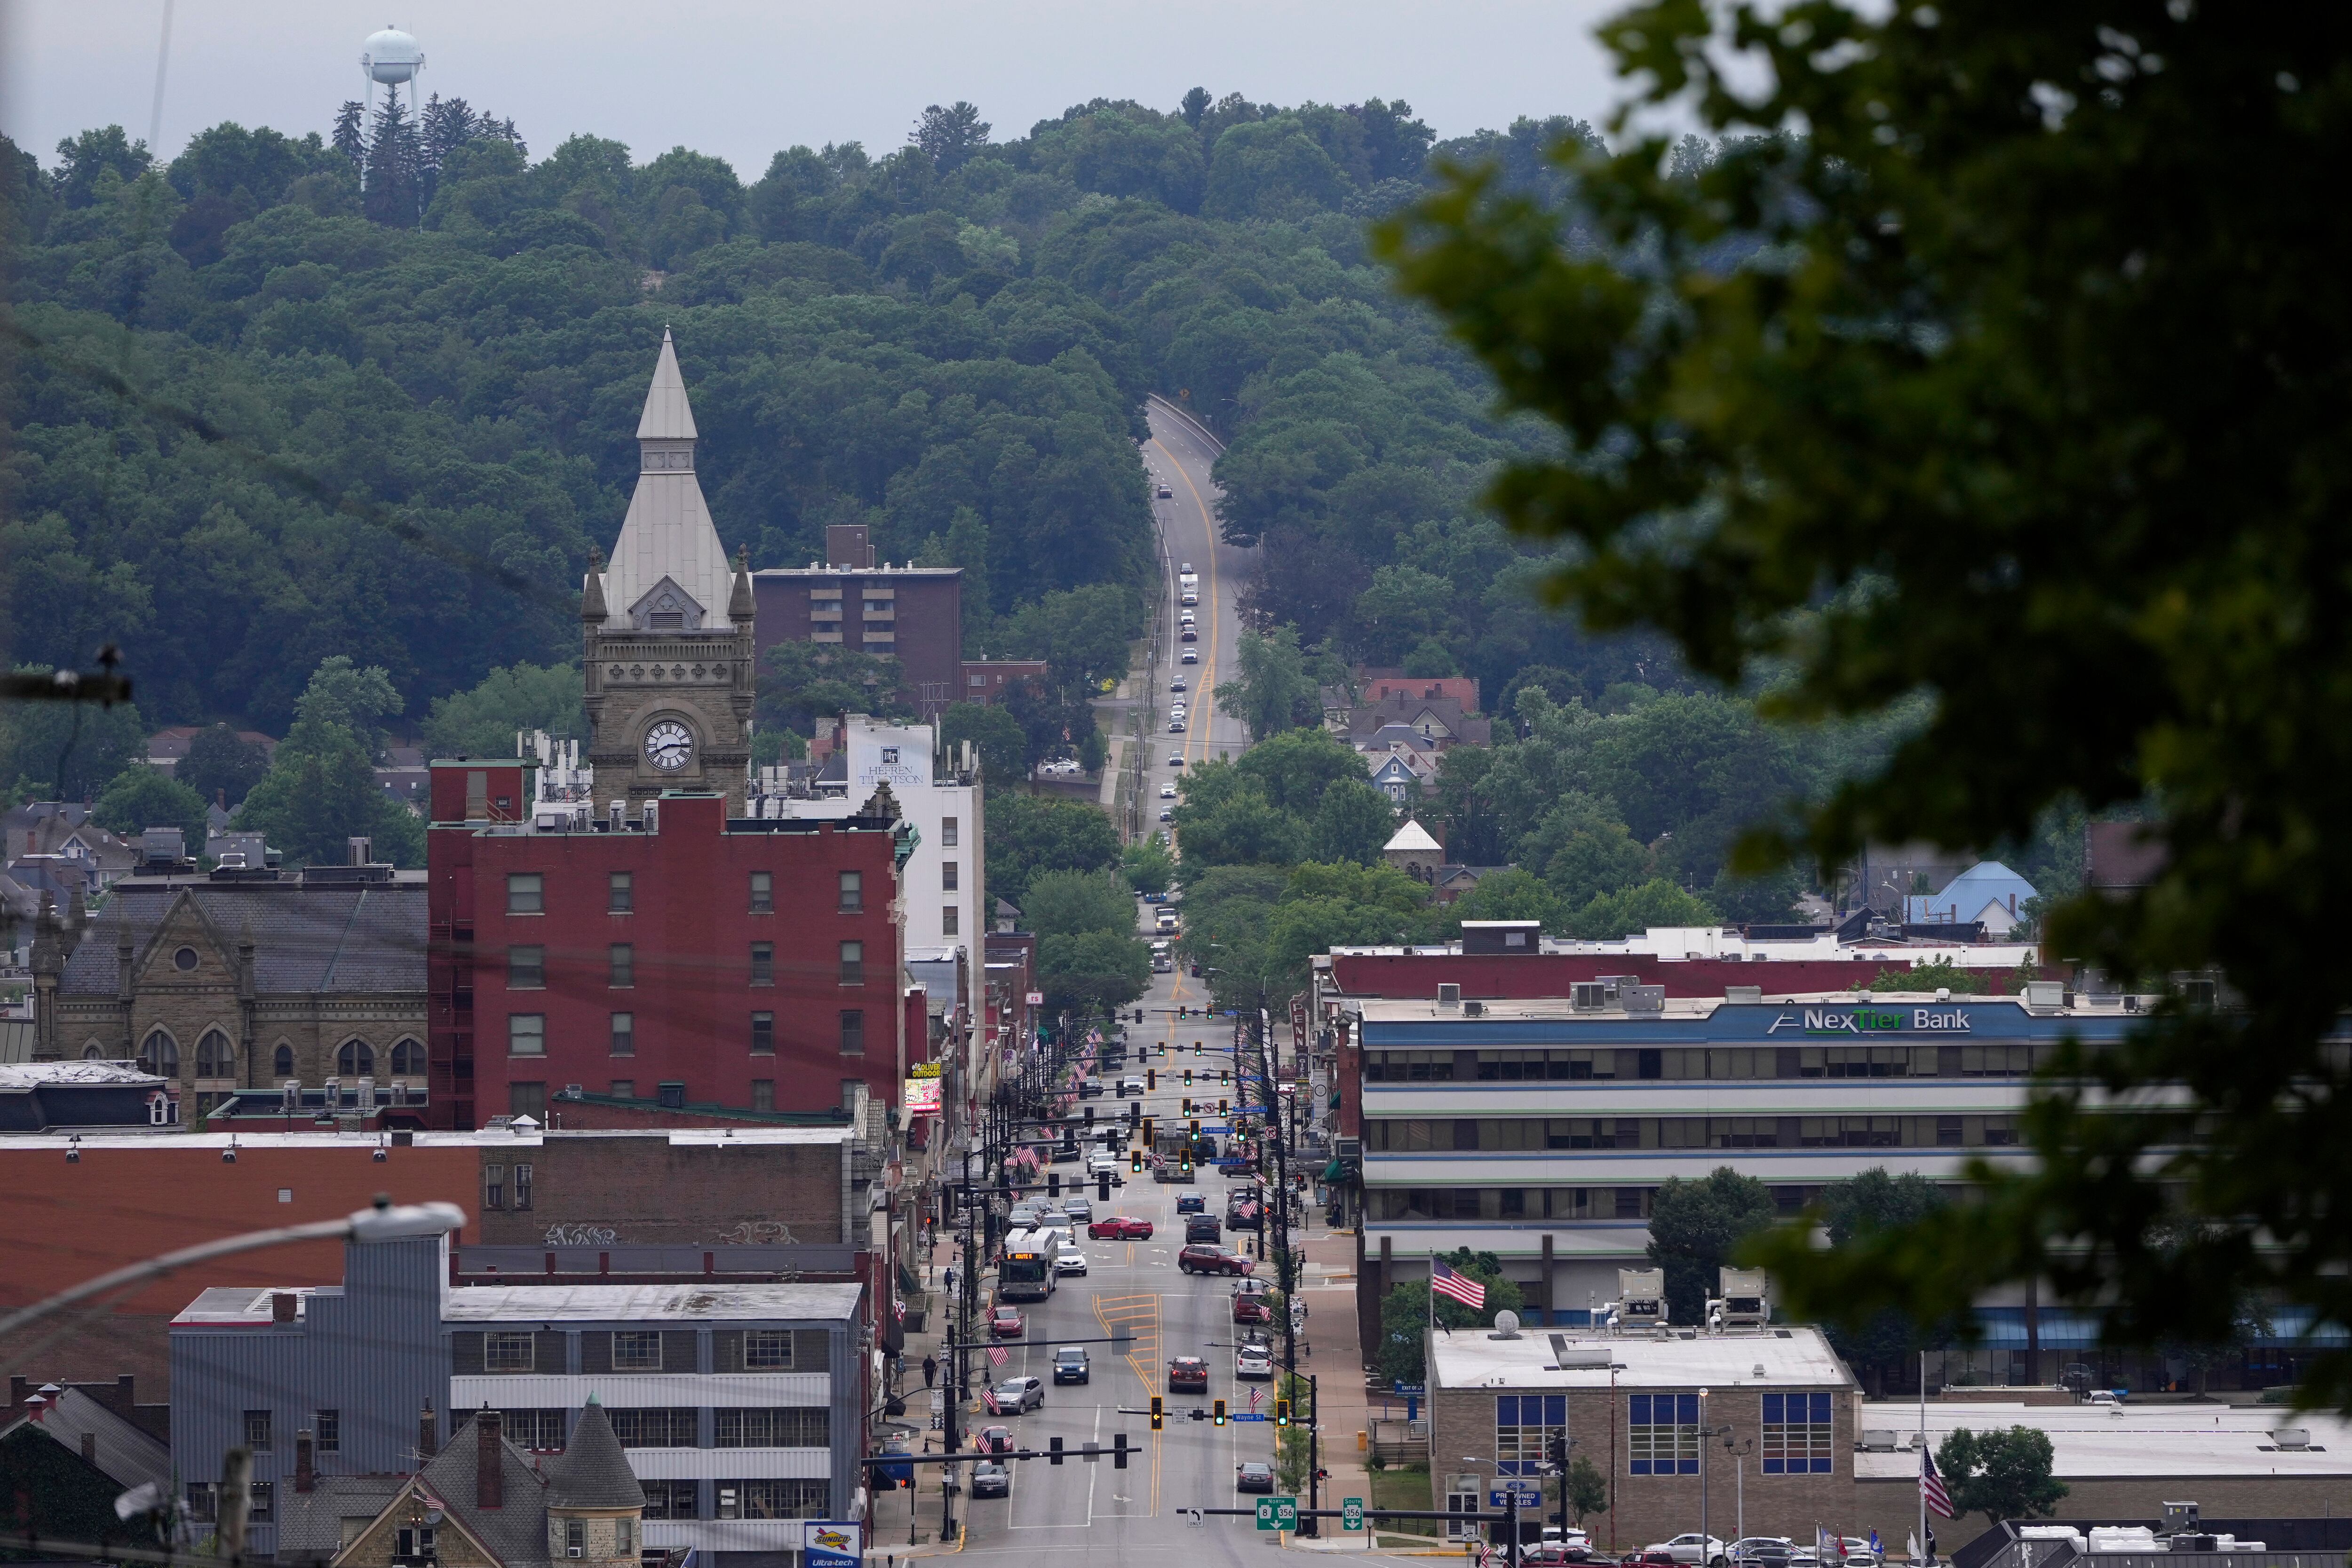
{"x":1876,"y":1440}
{"x":1474,"y":1009}
{"x":1592,"y":995}
{"x":1641,"y":1296}
{"x":1449,"y":994}
{"x":1642,"y":999}
{"x":1743,"y":1301}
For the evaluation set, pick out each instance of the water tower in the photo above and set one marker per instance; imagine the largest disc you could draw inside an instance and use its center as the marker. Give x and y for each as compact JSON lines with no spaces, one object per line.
{"x":391,"y":59}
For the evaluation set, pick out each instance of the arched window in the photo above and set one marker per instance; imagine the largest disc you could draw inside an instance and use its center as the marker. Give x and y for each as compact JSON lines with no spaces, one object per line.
{"x":356,"y":1059}
{"x":160,"y":1055}
{"x":216,"y":1058}
{"x":407,"y":1059}
{"x":281,"y":1066}
{"x":93,"y":1052}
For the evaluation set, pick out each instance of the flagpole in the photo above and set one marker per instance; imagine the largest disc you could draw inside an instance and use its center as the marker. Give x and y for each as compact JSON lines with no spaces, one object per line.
{"x":1923,"y":1450}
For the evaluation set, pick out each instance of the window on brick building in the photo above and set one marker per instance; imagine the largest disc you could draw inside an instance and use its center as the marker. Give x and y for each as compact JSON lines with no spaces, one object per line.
{"x":160,"y":1055}
{"x":356,"y":1059}
{"x":852,"y":963}
{"x":526,"y":968}
{"x":624,"y":1089}
{"x":947,"y":876}
{"x":281,"y":1062}
{"x":763,"y":893}
{"x":625,"y":1034}
{"x":951,"y":921}
{"x":623,"y":959}
{"x":947,"y":832}
{"x":763,"y":1095}
{"x":216,"y":1058}
{"x":853,"y":1031}
{"x":494,"y":1188}
{"x":853,"y":892}
{"x":1662,"y":1435}
{"x":763,"y":1034}
{"x":637,"y":1350}
{"x":620,"y":893}
{"x":407,"y":1059}
{"x":1523,"y":1423}
{"x":763,"y":963}
{"x":258,"y":1431}
{"x":509,"y":1351}
{"x":1800,"y":1435}
{"x":526,"y":893}
{"x":526,"y":1034}
{"x":767,"y":1349}
{"x":527,"y":1100}
{"x":265,"y":1503}
{"x":522,"y":1186}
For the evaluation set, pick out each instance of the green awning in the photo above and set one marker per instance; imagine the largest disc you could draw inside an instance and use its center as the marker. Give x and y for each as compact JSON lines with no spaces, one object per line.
{"x":1333,"y":1172}
{"x":1335,"y":1099}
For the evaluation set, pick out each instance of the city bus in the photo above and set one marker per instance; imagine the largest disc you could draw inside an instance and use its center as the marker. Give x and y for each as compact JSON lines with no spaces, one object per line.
{"x":1026,"y":1273}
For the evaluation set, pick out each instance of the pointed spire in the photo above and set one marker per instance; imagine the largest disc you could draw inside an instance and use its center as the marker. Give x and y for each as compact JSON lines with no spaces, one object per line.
{"x":667,"y":417}
{"x":592,"y":593}
{"x":738,"y":602}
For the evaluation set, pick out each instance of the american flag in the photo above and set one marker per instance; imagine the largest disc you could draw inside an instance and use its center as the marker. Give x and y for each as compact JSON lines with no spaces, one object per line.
{"x":996,"y":1355}
{"x":987,"y":1397}
{"x":1460,"y":1287}
{"x":1931,"y":1486}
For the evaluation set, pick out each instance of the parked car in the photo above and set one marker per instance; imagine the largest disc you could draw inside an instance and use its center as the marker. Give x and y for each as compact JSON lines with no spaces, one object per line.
{"x":1252,"y":1361}
{"x":1690,"y":1546}
{"x":1211,"y":1260}
{"x":1176,"y":724}
{"x":1557,"y":1554}
{"x":1019,"y":1395}
{"x":1857,"y":1550}
{"x":1244,"y":1217}
{"x":990,"y":1478}
{"x":1252,"y":1310}
{"x":1188,"y":1375}
{"x":1648,"y":1557}
{"x":1004,"y":1323}
{"x":1188,"y":656}
{"x":1177,"y":685}
{"x":994,"y":1440}
{"x":1763,"y":1550}
{"x":1185,"y":569}
{"x":1191,"y":1203}
{"x":1070,"y":1263}
{"x":1254,"y":1475}
{"x":1119,"y":1227}
{"x":1070,"y":1364}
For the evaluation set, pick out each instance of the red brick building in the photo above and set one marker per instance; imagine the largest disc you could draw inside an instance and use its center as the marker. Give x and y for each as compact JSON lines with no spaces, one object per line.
{"x":684,"y":958}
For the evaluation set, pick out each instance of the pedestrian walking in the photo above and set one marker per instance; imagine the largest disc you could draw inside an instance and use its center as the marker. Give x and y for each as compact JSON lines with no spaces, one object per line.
{"x":931,"y":1370}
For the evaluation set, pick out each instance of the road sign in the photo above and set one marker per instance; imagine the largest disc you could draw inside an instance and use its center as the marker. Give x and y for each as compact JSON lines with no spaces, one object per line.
{"x":1249,"y":1415}
{"x":1499,"y":1497}
{"x":1278,"y":1513}
{"x":1351,"y":1513}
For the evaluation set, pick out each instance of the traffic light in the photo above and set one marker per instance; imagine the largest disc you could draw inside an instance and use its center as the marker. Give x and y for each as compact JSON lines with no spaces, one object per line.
{"x":1281,"y":1414}
{"x":1146,"y":1134}
{"x":1188,"y":1078}
{"x":1152,"y":1078}
{"x":1194,"y":1127}
{"x":1217,"y":1414}
{"x":1225,"y":1107}
{"x":1135,"y":1163}
{"x":1054,"y":1446}
{"x":1224,"y":1075}
{"x":1053,"y":1184}
{"x":1183,"y":1011}
{"x":1118,"y":1451}
{"x":1556,"y":1451}
{"x":1158,"y":1415}
{"x":1134,"y":1114}
{"x":1139,"y":1015}
{"x":1102,"y":1187}
{"x":1196,"y":1048}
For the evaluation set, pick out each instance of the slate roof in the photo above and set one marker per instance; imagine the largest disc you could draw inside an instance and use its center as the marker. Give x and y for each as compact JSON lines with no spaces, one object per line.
{"x":311,"y":1523}
{"x":667,"y":532}
{"x":516,"y":1531}
{"x":125,"y":1454}
{"x":1412,"y":836}
{"x":305,"y":939}
{"x":592,"y":1472}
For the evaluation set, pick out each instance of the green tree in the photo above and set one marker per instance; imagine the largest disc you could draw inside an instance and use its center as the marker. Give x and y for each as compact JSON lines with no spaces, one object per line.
{"x":1092,"y":971}
{"x":1028,"y":834}
{"x":2002,"y":1473}
{"x":484,"y":721}
{"x":1583,"y":1490}
{"x":994,"y":733}
{"x":344,"y":695}
{"x":1768,"y":896}
{"x":1405,"y":1315}
{"x":220,"y":765}
{"x":1298,"y":769}
{"x":1146,"y":866}
{"x":1272,"y":691}
{"x":1654,"y":903}
{"x":1512,"y":895}
{"x":1582,"y":847}
{"x":804,"y":685}
{"x":1854,"y":1209}
{"x":1242,"y":828}
{"x":68,"y":751}
{"x":1956,"y":315}
{"x":319,"y":792}
{"x":142,"y":797}
{"x":1065,"y":903}
{"x":1696,"y":1227}
{"x":1352,"y":824}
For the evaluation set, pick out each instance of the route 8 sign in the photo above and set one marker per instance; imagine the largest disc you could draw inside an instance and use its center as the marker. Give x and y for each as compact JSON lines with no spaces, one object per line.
{"x":1278,"y":1513}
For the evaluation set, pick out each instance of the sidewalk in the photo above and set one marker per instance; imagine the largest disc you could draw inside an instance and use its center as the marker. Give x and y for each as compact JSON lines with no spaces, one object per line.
{"x":906,"y":1524}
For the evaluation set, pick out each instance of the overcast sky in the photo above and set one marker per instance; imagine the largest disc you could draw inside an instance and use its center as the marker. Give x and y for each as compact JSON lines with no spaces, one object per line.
{"x":741,"y":78}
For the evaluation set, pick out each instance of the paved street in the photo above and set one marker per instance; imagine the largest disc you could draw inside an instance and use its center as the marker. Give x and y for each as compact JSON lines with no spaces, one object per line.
{"x":1180,"y":455}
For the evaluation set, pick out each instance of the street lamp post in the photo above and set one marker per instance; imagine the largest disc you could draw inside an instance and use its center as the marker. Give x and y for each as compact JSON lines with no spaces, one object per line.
{"x":1739,"y":1449}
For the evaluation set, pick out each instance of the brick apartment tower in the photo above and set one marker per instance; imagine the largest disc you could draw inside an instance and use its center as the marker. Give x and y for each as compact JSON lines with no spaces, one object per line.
{"x":666,"y":628}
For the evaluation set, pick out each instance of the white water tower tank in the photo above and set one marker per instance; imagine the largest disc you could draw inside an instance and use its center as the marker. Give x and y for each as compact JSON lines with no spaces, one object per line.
{"x":391,"y":56}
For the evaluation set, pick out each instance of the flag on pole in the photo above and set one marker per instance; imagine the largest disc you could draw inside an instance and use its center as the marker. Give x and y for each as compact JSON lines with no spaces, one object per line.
{"x":1460,"y":1287}
{"x":1911,"y":1546}
{"x":987,"y":1397}
{"x":1254,"y":1397}
{"x":1931,"y":1486}
{"x":996,"y":1355}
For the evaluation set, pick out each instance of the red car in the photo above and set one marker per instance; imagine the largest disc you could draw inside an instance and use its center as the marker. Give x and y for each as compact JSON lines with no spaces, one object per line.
{"x":1004,"y":1323}
{"x":1252,"y":1310}
{"x":1119,"y":1227}
{"x":994,"y":1440}
{"x":1205,"y":1258}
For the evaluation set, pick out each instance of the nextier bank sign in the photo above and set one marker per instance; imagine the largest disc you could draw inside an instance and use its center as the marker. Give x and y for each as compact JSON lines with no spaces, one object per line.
{"x":1734,"y":1023}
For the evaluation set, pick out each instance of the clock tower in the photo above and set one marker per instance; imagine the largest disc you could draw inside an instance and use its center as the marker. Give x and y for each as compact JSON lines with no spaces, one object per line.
{"x":667,"y":630}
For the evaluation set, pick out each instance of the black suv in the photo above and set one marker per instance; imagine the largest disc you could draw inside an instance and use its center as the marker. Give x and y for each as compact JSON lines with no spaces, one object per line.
{"x":1202,"y":1227}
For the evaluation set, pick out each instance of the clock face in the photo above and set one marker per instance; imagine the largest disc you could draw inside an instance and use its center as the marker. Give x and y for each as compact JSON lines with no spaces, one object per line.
{"x":668,"y":746}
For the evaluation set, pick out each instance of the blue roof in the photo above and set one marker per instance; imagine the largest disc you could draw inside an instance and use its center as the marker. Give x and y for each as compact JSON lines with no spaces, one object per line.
{"x":1964,"y":896}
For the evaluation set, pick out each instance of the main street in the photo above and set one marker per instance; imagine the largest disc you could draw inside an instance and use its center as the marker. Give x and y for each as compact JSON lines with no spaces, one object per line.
{"x":1134,"y":1289}
{"x":1180,"y":456}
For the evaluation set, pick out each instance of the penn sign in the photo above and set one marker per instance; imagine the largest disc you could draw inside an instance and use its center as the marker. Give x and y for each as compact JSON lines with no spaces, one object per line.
{"x":1874,"y":1020}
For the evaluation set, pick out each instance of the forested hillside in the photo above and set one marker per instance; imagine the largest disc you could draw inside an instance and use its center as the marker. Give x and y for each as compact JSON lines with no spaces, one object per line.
{"x":260,"y":416}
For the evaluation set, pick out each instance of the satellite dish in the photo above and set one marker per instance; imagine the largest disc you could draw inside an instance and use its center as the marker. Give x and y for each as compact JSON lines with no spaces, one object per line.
{"x":432,"y":1516}
{"x":1506,"y":1324}
{"x":391,"y":56}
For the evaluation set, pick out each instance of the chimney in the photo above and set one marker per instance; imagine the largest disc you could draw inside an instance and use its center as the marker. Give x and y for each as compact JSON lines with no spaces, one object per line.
{"x":89,"y":1449}
{"x":305,"y":1472}
{"x":489,"y":1471}
{"x":428,"y":1435}
{"x":281,"y":1306}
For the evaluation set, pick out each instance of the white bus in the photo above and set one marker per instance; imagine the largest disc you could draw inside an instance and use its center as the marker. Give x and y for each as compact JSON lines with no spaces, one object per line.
{"x":1026,"y":1273}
